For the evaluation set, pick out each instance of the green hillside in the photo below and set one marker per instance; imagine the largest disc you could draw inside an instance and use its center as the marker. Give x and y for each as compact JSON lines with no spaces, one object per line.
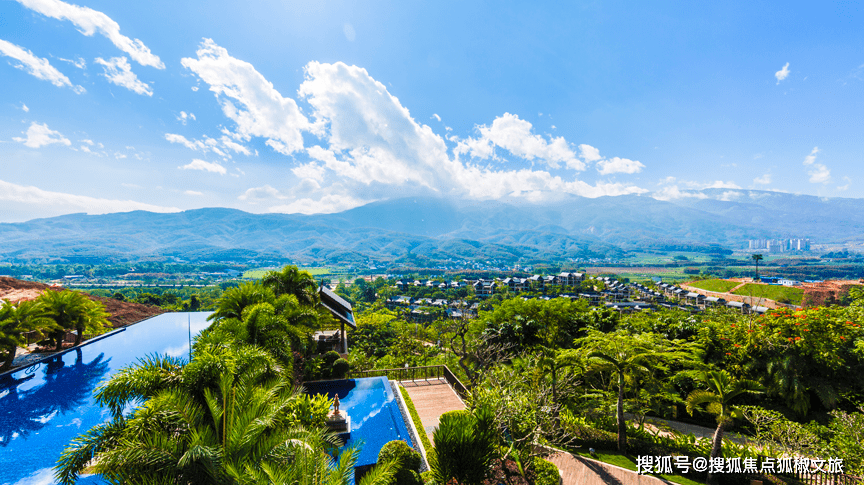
{"x":720,"y":286}
{"x":772,"y":292}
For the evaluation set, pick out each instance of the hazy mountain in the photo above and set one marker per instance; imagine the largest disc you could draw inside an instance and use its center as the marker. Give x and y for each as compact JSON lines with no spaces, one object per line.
{"x":438,"y":229}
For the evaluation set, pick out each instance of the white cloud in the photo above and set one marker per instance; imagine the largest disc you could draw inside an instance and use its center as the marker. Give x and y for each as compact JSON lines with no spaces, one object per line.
{"x":265,"y":192}
{"x":197,"y":164}
{"x":435,"y":115}
{"x":119,"y":156}
{"x":209,"y":144}
{"x":619,"y":165}
{"x":729,"y":195}
{"x":842,"y":188}
{"x":310,"y":170}
{"x":260,"y":109}
{"x":24,"y":108}
{"x":672,"y":192}
{"x":327,"y":204}
{"x":589,"y":153}
{"x":349,"y":32}
{"x":718,"y":184}
{"x":809,"y":159}
{"x":91,"y":21}
{"x":91,"y":205}
{"x":80,"y":63}
{"x":782,"y":73}
{"x":119,"y":72}
{"x":514,"y":135}
{"x":183,"y":117}
{"x":36,"y":66}
{"x":193,"y":192}
{"x":763,"y":180}
{"x":819,"y":173}
{"x":39,"y":135}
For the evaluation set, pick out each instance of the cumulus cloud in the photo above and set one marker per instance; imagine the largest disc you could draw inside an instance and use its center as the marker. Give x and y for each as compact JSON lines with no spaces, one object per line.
{"x":197,"y":164}
{"x":183,"y":117}
{"x":36,"y":66}
{"x":311,"y":171}
{"x":589,"y":153}
{"x":24,"y":108}
{"x":763,"y":180}
{"x":619,"y":165}
{"x":91,"y":21}
{"x":515,"y":135}
{"x":435,"y":115}
{"x":39,"y":135}
{"x":819,"y":173}
{"x":671,"y":189}
{"x":782,"y":73}
{"x":327,"y":204}
{"x":91,"y":205}
{"x":249,"y":99}
{"x":119,"y":72}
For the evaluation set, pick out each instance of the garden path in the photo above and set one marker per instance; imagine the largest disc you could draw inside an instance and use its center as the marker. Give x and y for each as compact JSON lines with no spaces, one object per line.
{"x":578,"y":470}
{"x":432,"y":398}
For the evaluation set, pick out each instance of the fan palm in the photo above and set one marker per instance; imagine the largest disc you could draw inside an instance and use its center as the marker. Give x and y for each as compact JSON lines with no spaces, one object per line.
{"x":15,"y":321}
{"x":71,"y":310}
{"x":717,"y":400}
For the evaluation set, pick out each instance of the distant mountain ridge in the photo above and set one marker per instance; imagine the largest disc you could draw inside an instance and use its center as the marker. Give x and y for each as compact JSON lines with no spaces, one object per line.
{"x":441,"y":229}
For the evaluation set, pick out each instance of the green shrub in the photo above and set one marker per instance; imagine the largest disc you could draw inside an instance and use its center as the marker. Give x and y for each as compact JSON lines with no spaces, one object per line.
{"x":310,"y":411}
{"x":464,"y":446}
{"x":545,"y":473}
{"x":407,"y":462}
{"x":330,"y":357}
{"x":340,"y":369}
{"x":428,"y":478}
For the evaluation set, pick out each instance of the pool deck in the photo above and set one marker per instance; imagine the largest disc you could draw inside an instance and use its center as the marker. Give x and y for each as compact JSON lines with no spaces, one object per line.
{"x":432,"y":398}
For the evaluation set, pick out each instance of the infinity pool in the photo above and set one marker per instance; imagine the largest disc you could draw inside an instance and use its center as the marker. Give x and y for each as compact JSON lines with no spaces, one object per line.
{"x":375,"y":415}
{"x":45,"y":406}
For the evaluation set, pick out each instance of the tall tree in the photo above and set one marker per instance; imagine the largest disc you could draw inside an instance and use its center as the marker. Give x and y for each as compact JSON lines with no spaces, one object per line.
{"x":717,"y":400}
{"x":15,"y":321}
{"x":757,"y":258}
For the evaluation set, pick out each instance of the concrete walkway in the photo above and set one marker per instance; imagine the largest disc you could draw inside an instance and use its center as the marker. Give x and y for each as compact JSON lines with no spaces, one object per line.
{"x":432,"y":398}
{"x":578,"y":470}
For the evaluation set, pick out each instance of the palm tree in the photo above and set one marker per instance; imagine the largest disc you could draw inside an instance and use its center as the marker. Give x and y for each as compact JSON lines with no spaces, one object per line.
{"x":292,"y":281}
{"x":722,"y":390}
{"x":757,"y":258}
{"x":235,"y":300}
{"x":623,"y":355}
{"x":71,"y":310}
{"x":234,"y":430}
{"x":15,"y":321}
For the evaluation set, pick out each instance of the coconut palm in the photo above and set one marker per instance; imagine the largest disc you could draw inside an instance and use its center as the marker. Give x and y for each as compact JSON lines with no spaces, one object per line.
{"x":15,"y":321}
{"x":292,"y":281}
{"x":235,"y":300}
{"x":717,"y":400}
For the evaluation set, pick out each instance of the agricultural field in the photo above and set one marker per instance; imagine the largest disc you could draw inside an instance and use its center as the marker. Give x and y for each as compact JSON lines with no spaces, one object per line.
{"x":772,"y":292}
{"x":258,"y":273}
{"x":720,"y":286}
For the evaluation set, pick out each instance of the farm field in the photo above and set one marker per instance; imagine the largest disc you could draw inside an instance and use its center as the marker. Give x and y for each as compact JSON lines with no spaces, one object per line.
{"x":772,"y":292}
{"x":259,"y":273}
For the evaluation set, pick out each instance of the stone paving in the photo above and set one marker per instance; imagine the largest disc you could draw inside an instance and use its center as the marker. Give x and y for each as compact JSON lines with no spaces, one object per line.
{"x":578,"y":470}
{"x":432,"y":398}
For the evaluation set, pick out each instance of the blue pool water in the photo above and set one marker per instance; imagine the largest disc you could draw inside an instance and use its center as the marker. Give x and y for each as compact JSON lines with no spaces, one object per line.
{"x":375,"y":416}
{"x":44,"y":407}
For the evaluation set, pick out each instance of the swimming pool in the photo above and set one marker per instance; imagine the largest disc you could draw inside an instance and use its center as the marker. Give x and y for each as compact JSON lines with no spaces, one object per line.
{"x":375,"y":415}
{"x":47,"y":405}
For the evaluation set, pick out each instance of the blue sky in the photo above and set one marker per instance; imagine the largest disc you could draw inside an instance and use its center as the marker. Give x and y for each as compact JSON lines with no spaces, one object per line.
{"x":290,"y":107}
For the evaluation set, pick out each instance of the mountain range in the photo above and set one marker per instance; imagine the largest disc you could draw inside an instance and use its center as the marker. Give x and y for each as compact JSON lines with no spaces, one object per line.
{"x":438,"y":229}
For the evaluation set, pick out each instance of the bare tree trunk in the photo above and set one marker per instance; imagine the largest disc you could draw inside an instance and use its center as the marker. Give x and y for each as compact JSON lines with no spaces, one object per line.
{"x":79,"y":336}
{"x":622,"y":425}
{"x":716,"y":451}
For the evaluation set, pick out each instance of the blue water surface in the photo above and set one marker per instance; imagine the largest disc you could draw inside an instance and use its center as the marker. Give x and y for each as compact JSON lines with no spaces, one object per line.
{"x":47,"y":405}
{"x":375,"y":416}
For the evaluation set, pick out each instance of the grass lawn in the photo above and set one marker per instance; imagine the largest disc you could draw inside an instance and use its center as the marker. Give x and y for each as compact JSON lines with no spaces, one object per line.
{"x":629,"y":462}
{"x":721,"y":286}
{"x":772,"y":292}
